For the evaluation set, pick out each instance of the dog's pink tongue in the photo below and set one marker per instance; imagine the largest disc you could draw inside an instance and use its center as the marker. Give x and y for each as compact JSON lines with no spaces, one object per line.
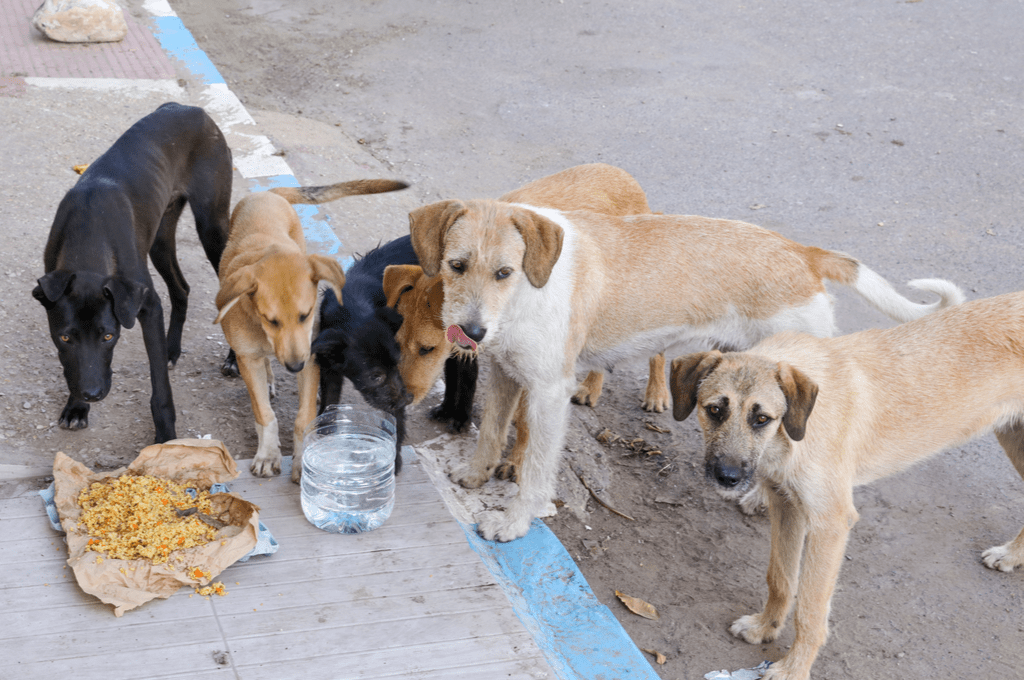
{"x":456,"y":335}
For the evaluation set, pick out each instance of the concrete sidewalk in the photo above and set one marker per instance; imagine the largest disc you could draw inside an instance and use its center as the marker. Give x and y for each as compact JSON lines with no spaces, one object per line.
{"x":61,"y":106}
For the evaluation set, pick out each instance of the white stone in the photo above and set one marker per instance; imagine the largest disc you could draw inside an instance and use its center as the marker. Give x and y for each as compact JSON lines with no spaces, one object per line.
{"x":80,"y":21}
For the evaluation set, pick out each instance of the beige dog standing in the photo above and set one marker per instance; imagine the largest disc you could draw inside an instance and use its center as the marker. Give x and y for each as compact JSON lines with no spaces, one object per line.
{"x":541,"y":291}
{"x":267,"y":303}
{"x":812,"y":418}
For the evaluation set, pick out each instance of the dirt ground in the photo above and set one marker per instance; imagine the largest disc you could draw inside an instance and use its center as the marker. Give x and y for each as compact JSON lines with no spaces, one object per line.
{"x":913,"y":600}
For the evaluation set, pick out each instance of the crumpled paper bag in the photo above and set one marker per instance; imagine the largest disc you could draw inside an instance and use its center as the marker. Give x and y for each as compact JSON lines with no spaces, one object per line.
{"x":201,"y":462}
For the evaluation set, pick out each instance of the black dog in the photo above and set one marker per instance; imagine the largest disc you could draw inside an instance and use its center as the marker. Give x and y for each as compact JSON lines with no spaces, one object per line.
{"x":357,"y":340}
{"x":125,"y":205}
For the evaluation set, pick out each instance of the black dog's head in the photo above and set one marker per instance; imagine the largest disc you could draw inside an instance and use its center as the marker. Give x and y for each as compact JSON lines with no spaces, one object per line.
{"x":366,"y":353}
{"x":86,"y":311}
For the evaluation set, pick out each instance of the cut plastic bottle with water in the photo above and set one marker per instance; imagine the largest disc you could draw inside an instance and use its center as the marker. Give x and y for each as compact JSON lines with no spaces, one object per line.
{"x":348,"y":469}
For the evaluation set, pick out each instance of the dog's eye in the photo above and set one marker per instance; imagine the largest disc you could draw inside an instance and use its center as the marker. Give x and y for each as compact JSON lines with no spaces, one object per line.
{"x":503,"y":273}
{"x":714,"y":411}
{"x":457,"y":266}
{"x":65,"y":338}
{"x":108,"y":337}
{"x":303,"y":317}
{"x":274,"y":323}
{"x":426,"y":350}
{"x":761,"y":420}
{"x":377,"y":378}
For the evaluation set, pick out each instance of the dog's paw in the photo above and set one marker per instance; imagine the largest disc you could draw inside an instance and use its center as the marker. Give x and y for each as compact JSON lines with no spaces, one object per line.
{"x":586,"y":397}
{"x":469,"y":477}
{"x":1002,"y":557}
{"x":230,"y":365}
{"x":657,"y":402}
{"x":453,"y":422}
{"x":755,"y":501}
{"x":268,"y":466}
{"x":505,"y":471}
{"x":496,"y":525}
{"x":751,"y":629}
{"x":74,"y":417}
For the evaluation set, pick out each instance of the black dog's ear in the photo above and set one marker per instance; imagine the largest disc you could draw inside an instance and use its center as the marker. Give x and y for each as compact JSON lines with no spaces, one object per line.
{"x":390,"y":317}
{"x":330,"y":343}
{"x":801,"y":393}
{"x":52,"y":287}
{"x":687,"y":372}
{"x":127,"y":297}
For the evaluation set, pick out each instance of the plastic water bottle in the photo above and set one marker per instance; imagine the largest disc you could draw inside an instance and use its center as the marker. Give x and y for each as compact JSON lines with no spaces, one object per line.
{"x":348,"y":469}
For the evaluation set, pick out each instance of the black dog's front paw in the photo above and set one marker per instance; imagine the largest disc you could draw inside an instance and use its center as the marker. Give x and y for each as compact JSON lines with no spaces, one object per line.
{"x":230,"y":365}
{"x":75,"y":416}
{"x":453,"y":422}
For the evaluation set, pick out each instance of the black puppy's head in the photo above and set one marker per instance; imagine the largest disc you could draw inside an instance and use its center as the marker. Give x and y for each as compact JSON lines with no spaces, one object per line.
{"x":86,"y":311}
{"x":368,"y":355}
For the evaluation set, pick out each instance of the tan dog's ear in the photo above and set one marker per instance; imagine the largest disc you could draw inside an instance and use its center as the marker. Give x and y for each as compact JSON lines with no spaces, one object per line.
{"x":801,"y":392}
{"x":543,"y":245}
{"x":428,"y":227}
{"x":687,"y":372}
{"x":398,"y":279}
{"x":241,"y":282}
{"x":327,"y":269}
{"x":435,"y":298}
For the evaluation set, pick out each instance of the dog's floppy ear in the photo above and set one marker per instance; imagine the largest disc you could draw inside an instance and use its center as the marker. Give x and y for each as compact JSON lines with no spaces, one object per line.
{"x":543,"y":245}
{"x":52,"y":287}
{"x":127,"y":297}
{"x":329,"y":346}
{"x":327,"y":269}
{"x":687,"y":372}
{"x":801,"y":393}
{"x":398,"y":279}
{"x":241,"y":282}
{"x":390,"y":317}
{"x":435,"y":298}
{"x":428,"y":227}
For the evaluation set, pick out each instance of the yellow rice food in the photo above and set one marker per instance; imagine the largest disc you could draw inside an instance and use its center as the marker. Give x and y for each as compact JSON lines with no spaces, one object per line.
{"x":137,"y":516}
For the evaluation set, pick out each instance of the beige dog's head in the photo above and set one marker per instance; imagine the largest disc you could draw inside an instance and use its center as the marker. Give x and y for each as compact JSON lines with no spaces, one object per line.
{"x":483,"y":251}
{"x":749,"y":409}
{"x":418,"y":298}
{"x":279,"y":292}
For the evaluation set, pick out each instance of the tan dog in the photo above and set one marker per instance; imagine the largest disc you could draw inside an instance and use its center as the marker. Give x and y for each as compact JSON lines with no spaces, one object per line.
{"x":267,"y":303}
{"x":544,"y":290}
{"x":813,"y":418}
{"x":596,"y":187}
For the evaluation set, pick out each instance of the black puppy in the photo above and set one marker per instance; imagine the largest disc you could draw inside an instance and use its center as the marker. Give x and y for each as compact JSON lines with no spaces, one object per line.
{"x":357,"y":340}
{"x":125,"y":205}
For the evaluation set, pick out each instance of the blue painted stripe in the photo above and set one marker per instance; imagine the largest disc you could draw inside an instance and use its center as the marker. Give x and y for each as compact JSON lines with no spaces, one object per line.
{"x":178,"y":42}
{"x":580,"y":637}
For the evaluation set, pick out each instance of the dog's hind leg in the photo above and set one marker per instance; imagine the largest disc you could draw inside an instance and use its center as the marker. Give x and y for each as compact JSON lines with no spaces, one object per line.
{"x":657,"y":397}
{"x":164,"y":254}
{"x":589,"y":391}
{"x":1010,"y":555}
{"x":502,"y":396}
{"x":507,"y":469}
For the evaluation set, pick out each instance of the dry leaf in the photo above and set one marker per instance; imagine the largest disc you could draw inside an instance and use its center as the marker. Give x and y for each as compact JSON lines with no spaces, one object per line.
{"x":80,"y":168}
{"x":656,"y":428}
{"x":606,"y":436}
{"x":758,"y":206}
{"x":658,"y":656}
{"x":638,"y":606}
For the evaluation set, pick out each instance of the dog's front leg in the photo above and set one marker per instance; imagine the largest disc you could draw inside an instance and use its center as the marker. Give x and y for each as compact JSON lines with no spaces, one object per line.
{"x":309,"y":381}
{"x":546,"y":414}
{"x":502,"y":396}
{"x":789,"y":527}
{"x":161,"y":402}
{"x":826,"y":544}
{"x":268,"y":452}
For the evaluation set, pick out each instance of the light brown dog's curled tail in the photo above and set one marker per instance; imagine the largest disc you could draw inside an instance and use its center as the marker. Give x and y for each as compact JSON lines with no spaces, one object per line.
{"x":332,"y":192}
{"x":878,"y":292}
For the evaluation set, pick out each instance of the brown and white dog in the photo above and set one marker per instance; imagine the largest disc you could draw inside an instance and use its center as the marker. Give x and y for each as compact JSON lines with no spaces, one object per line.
{"x":814,"y":417}
{"x":596,"y":187}
{"x":541,"y":291}
{"x":267,"y":303}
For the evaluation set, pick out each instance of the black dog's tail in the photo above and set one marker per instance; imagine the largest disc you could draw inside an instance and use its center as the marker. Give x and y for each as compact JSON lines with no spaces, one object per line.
{"x":333,"y":192}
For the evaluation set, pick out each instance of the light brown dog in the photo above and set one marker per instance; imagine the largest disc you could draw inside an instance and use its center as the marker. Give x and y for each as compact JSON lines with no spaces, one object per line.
{"x":812,"y":418}
{"x":596,"y":187}
{"x":539,"y":291}
{"x":267,"y":303}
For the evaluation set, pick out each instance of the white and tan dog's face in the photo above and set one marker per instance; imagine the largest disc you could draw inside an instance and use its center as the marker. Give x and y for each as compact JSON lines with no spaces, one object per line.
{"x":749,"y":409}
{"x":484,"y":252}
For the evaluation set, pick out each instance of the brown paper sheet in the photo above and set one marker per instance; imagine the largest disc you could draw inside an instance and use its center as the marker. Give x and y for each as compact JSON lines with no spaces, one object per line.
{"x":127,"y":584}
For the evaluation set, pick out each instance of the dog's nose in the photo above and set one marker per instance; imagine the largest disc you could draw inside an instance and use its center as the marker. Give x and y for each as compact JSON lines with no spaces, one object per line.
{"x":728,"y":475}
{"x":474,"y":332}
{"x":295,"y":366}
